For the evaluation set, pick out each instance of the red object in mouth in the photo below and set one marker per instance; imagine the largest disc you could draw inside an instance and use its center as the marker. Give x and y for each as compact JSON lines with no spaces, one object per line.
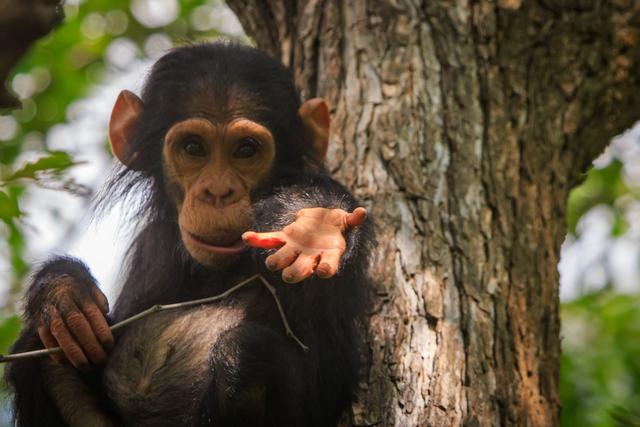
{"x":235,"y":248}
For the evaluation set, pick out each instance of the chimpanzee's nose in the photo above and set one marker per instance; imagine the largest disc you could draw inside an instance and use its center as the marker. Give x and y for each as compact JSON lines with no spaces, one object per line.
{"x":219,"y":195}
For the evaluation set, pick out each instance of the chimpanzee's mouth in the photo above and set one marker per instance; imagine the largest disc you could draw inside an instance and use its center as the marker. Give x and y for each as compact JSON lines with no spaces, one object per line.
{"x":224,"y":245}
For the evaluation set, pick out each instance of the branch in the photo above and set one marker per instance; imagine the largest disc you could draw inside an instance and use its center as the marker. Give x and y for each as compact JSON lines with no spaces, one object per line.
{"x":21,"y":23}
{"x":159,"y":307}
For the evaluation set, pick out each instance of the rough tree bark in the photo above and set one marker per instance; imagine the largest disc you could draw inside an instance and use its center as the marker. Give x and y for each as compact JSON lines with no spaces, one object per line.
{"x":463,"y":125}
{"x":21,"y":23}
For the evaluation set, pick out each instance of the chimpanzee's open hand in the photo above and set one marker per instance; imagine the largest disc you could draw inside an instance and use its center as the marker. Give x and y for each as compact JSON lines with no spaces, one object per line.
{"x":70,"y":313}
{"x":313,"y":242}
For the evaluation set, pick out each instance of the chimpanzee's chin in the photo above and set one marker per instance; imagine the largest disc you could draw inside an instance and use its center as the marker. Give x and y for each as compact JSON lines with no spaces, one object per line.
{"x":216,"y":262}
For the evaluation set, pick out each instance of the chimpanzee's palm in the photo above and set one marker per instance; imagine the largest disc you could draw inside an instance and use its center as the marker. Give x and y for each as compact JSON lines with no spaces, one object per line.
{"x":313,"y":242}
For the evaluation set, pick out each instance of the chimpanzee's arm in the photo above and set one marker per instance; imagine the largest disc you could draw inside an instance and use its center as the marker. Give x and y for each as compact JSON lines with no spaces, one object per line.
{"x":328,"y":314}
{"x":46,"y":392}
{"x":32,"y":405}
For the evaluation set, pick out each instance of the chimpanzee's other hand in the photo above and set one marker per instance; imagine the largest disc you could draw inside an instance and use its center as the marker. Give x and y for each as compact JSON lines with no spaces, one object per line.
{"x":69,"y":312}
{"x":313,"y":242}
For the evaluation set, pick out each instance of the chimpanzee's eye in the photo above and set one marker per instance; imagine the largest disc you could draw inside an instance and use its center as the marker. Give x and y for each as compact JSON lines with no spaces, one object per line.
{"x":247,"y":147}
{"x":193,"y":147}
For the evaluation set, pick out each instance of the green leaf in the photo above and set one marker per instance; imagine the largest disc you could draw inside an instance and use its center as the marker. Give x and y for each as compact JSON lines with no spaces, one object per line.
{"x":602,"y":186}
{"x":8,"y":207}
{"x":600,"y":367}
{"x":55,"y":162}
{"x":9,"y":329}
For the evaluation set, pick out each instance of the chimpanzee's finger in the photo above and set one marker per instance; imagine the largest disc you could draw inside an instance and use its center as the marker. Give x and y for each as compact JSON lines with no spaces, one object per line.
{"x":100,"y":299}
{"x":69,"y":345}
{"x":300,"y":269}
{"x":282,"y":258}
{"x":80,"y":328}
{"x":50,"y":342}
{"x":355,"y":218}
{"x":263,"y":240}
{"x":328,"y":264}
{"x":99,"y":325}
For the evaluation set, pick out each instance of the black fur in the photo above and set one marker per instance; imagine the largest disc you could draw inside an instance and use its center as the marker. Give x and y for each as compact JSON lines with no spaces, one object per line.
{"x":255,"y":374}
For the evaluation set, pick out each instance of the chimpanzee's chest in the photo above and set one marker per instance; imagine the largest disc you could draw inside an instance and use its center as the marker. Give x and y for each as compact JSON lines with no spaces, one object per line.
{"x":159,"y":369}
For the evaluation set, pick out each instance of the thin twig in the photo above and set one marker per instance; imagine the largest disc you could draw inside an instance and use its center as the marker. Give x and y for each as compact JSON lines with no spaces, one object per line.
{"x":287,"y":328}
{"x":159,"y":307}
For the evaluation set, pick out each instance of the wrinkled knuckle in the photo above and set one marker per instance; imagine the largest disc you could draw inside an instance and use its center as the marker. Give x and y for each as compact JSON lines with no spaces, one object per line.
{"x":74,"y":319}
{"x":104,"y":332}
{"x":289,"y":230}
{"x":56,"y":324}
{"x":92,"y":310}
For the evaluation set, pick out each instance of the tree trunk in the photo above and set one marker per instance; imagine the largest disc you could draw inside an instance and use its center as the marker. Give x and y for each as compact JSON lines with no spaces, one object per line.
{"x":463,"y":126}
{"x":21,"y":23}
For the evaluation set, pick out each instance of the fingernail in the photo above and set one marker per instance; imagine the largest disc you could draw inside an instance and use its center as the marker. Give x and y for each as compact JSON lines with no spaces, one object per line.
{"x":271,"y":266}
{"x":323,"y":270}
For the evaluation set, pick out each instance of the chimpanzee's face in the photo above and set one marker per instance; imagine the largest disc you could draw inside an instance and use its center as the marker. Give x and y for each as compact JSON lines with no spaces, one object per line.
{"x":219,"y":148}
{"x":211,"y":169}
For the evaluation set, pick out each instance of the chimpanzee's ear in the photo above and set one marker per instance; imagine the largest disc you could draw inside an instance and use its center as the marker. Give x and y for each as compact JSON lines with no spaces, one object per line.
{"x":124,"y":118}
{"x":316,"y":120}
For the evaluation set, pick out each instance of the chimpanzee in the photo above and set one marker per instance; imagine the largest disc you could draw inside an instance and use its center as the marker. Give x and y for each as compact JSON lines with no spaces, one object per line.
{"x":223,"y":160}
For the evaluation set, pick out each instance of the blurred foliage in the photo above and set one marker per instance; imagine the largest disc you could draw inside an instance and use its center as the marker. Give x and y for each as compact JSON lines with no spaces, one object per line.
{"x":600,"y":370}
{"x":9,"y":329}
{"x":45,"y":169}
{"x":602,"y":186}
